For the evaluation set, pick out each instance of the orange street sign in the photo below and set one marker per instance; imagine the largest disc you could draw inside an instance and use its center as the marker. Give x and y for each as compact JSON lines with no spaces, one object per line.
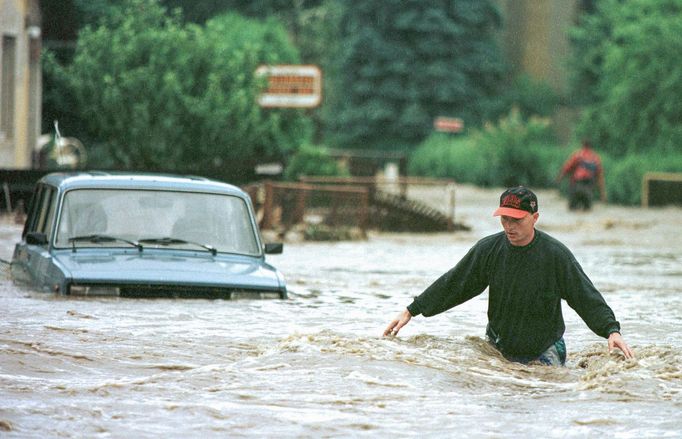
{"x":291,"y":86}
{"x":448,"y":124}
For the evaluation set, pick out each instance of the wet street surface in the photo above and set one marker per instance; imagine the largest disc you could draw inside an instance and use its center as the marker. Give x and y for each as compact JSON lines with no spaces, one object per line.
{"x":316,"y":365}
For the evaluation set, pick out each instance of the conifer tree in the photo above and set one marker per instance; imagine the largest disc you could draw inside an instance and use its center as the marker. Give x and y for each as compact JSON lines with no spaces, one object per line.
{"x":403,"y":63}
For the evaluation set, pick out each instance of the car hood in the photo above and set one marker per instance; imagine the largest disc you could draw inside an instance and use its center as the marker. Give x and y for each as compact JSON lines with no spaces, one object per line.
{"x":160,"y":269}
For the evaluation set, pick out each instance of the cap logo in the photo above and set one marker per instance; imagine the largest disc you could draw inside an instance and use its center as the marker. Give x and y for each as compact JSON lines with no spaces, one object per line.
{"x":511,"y":200}
{"x":516,"y":201}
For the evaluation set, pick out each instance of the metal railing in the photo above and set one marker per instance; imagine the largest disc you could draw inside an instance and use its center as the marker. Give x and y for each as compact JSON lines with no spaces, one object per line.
{"x":283,"y":205}
{"x":415,"y":188}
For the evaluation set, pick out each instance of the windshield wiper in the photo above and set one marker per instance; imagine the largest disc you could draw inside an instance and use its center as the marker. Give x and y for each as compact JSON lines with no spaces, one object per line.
{"x":170,"y":241}
{"x":98,"y":239}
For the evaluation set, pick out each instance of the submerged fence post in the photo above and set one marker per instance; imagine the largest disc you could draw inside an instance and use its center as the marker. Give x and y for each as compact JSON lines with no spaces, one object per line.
{"x":451,"y":206}
{"x":301,"y":202}
{"x":8,"y":198}
{"x":267,"y":205}
{"x":364,"y":212}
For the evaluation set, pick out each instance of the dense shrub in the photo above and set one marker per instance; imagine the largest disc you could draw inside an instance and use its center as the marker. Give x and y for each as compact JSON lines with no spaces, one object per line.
{"x":496,"y":157}
{"x":624,"y":175}
{"x":313,"y":160}
{"x":445,"y":156}
{"x":533,"y":97}
{"x":509,"y":153}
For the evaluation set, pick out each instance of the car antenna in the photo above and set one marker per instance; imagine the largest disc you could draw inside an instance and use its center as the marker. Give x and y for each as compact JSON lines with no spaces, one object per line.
{"x":57,"y":134}
{"x":57,"y":139}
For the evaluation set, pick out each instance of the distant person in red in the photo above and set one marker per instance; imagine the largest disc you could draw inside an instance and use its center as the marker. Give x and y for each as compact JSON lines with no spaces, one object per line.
{"x":586,"y":172}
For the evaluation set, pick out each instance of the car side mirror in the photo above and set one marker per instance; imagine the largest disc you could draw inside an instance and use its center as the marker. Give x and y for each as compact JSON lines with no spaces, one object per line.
{"x":36,"y":238}
{"x":274,"y":248}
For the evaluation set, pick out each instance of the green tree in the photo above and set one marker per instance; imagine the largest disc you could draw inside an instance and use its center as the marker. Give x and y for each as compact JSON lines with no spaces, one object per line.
{"x":199,"y":11}
{"x":530,"y":96}
{"x":589,"y":40}
{"x":313,"y":26}
{"x":155,"y":94}
{"x":627,"y":72}
{"x":92,"y":12}
{"x":406,"y":62}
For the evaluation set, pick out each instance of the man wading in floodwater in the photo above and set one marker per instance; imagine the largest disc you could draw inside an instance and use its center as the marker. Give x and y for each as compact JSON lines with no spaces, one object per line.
{"x":527,"y":273}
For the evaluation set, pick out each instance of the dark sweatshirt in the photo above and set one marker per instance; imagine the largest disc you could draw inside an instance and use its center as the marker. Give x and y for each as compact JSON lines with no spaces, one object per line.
{"x":526,"y":285}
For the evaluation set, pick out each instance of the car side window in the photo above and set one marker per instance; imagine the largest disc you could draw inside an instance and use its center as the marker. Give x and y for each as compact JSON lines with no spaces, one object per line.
{"x":50,"y":208}
{"x":34,"y":210}
{"x":44,"y":209}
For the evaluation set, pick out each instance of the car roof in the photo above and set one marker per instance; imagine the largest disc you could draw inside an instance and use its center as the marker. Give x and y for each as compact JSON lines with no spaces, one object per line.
{"x":128,"y":180}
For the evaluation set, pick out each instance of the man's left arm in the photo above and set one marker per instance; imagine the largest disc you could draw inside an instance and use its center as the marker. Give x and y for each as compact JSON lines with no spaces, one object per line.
{"x":590,"y":305}
{"x":616,"y":341}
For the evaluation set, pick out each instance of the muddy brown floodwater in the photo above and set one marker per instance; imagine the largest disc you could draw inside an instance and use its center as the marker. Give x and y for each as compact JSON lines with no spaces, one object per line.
{"x":316,"y":365}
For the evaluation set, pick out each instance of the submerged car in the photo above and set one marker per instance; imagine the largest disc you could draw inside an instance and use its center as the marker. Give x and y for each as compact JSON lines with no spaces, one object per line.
{"x":132,"y":235}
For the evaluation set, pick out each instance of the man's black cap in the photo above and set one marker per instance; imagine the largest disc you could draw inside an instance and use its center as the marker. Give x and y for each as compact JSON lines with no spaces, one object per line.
{"x":517,"y":202}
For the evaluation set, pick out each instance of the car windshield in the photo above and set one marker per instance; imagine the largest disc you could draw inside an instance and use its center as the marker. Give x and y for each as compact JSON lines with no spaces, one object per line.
{"x":163,"y":219}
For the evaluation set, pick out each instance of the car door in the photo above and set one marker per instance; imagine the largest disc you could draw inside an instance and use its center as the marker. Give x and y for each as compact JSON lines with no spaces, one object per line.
{"x":32,"y":259}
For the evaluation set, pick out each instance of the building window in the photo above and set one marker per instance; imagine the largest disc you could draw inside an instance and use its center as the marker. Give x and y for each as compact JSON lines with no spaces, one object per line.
{"x":9,"y":50}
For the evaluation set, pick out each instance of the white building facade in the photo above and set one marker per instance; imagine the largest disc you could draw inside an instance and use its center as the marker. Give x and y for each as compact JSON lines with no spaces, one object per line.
{"x":20,"y":82}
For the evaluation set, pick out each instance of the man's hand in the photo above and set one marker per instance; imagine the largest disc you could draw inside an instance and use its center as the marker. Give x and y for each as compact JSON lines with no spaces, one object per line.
{"x":616,"y":341}
{"x":397,"y":323}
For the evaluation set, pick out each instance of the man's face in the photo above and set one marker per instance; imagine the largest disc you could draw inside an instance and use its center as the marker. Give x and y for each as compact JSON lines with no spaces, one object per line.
{"x":520,"y":231}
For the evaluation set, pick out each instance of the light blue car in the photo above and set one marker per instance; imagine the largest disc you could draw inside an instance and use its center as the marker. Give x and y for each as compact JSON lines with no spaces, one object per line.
{"x":144,"y":235}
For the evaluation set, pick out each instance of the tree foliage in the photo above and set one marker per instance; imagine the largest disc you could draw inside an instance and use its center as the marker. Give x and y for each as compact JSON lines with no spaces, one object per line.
{"x":156,"y":94}
{"x":406,"y":62}
{"x":200,"y":11}
{"x":627,"y":73}
{"x":312,"y":25}
{"x":530,"y":96}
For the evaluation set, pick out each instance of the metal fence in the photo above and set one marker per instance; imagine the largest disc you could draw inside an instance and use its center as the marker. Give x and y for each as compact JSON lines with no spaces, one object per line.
{"x":283,"y":205}
{"x":436,"y":193}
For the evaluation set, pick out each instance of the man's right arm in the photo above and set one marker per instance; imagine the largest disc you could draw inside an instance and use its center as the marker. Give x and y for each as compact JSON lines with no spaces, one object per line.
{"x":463,"y":282}
{"x":458,"y":285}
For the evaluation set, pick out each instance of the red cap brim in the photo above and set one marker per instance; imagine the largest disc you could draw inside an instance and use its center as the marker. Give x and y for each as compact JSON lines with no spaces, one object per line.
{"x":508,"y":211}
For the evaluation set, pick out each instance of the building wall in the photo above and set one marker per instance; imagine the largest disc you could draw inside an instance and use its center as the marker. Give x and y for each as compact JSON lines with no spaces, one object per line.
{"x":20,"y":82}
{"x":535,"y":41}
{"x":535,"y":37}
